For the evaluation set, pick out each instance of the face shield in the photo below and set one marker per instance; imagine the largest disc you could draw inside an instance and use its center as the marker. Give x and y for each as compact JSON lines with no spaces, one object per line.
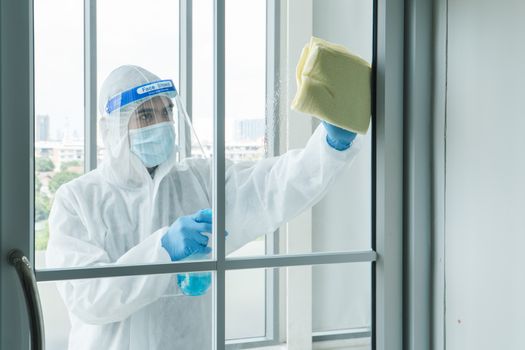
{"x":145,"y":121}
{"x":151,"y":131}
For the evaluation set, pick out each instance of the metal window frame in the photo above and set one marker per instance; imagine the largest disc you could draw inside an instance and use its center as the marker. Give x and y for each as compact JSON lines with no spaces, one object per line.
{"x":272,"y":286}
{"x":363,"y":332}
{"x":418,"y":177}
{"x":219,"y":173}
{"x":263,"y":262}
{"x":185,"y":73}
{"x":273,"y":42}
{"x":439,"y":126}
{"x":16,"y":161}
{"x":17,"y":98}
{"x":387,"y":271}
{"x":342,"y":334}
{"x":90,"y":85}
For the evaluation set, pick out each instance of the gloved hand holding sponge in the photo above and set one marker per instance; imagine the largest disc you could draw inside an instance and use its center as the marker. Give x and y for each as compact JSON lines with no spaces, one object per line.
{"x":334,"y":86}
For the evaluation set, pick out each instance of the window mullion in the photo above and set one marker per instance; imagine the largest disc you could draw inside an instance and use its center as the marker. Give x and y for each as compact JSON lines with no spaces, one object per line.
{"x":16,"y":156}
{"x":264,"y":262}
{"x":219,"y":211}
{"x":185,"y":73}
{"x":299,"y":19}
{"x":308,"y":259}
{"x":273,"y":59}
{"x":387,"y":326}
{"x":90,"y":85}
{"x":122,"y":270}
{"x":342,"y":334}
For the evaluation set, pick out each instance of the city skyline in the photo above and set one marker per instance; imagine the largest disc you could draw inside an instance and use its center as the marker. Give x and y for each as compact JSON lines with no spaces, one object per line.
{"x":237,"y":130}
{"x":59,"y":74}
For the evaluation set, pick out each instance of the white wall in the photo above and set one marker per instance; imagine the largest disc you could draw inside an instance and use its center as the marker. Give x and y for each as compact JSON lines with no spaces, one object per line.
{"x":341,"y":221}
{"x":485,"y":175}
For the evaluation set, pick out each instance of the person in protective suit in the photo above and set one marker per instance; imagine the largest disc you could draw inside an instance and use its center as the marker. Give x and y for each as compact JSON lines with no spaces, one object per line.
{"x":143,"y":206}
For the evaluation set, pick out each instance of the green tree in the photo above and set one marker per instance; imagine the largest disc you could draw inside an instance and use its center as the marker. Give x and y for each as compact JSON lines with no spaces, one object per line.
{"x":42,"y":206}
{"x":41,"y":237}
{"x":61,"y":178}
{"x":38,"y":184}
{"x":44,"y":164}
{"x":73,"y":163}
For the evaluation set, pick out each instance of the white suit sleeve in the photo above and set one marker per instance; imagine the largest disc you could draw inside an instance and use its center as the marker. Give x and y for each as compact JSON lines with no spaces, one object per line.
{"x":101,"y":300}
{"x":262,"y":196}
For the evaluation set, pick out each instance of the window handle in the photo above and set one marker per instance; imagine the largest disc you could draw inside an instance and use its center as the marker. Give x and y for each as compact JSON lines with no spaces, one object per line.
{"x":34,"y":310}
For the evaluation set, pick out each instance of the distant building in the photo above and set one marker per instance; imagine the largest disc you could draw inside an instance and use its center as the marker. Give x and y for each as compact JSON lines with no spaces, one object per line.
{"x":60,"y":152}
{"x":234,"y":152}
{"x":42,"y":128}
{"x":249,"y":129}
{"x":63,"y":151}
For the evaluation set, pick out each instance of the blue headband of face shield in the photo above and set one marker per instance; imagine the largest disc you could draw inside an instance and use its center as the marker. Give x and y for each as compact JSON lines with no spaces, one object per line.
{"x":165,"y":87}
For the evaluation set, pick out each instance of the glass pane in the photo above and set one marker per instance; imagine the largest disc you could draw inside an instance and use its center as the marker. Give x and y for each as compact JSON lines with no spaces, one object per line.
{"x":336,"y":300}
{"x":246,"y":119}
{"x":341,"y":297}
{"x":279,"y":165}
{"x":246,"y":294}
{"x":59,"y":105}
{"x":245,"y":80}
{"x":203,"y":74}
{"x":341,"y":221}
{"x":142,"y":34}
{"x":142,"y":312}
{"x":144,"y":203}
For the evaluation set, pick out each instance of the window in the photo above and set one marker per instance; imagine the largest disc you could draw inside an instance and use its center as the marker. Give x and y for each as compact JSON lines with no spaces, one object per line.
{"x":254,"y":120}
{"x":268,"y":258}
{"x":59,"y":112}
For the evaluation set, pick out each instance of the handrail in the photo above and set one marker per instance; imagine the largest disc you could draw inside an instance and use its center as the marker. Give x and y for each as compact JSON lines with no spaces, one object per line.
{"x":34,"y":310}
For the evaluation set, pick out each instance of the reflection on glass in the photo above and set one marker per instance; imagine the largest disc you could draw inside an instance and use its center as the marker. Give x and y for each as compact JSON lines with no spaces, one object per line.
{"x":59,"y":106}
{"x":140,"y":312}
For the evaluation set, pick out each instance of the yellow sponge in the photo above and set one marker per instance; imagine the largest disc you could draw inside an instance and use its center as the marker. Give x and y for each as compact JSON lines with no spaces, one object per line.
{"x":334,"y":85}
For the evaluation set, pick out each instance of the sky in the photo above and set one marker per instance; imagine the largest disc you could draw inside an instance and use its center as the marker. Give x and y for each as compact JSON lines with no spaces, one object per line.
{"x":129,"y":32}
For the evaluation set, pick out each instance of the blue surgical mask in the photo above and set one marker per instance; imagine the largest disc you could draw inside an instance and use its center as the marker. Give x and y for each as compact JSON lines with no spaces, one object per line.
{"x":153,"y":144}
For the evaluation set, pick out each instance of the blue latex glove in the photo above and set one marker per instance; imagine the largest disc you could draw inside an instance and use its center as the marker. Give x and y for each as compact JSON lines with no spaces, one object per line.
{"x":337,"y":138}
{"x":185,"y":236}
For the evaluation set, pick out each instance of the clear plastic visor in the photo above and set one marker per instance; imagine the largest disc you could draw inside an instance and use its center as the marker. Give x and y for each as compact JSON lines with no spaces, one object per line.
{"x":158,"y":109}
{"x":137,"y":119}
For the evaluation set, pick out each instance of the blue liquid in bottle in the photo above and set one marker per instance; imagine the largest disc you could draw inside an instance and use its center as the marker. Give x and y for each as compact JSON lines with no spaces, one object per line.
{"x":194,"y":283}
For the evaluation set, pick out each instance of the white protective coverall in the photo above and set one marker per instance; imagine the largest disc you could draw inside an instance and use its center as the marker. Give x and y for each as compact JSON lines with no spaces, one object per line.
{"x":117,"y":214}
